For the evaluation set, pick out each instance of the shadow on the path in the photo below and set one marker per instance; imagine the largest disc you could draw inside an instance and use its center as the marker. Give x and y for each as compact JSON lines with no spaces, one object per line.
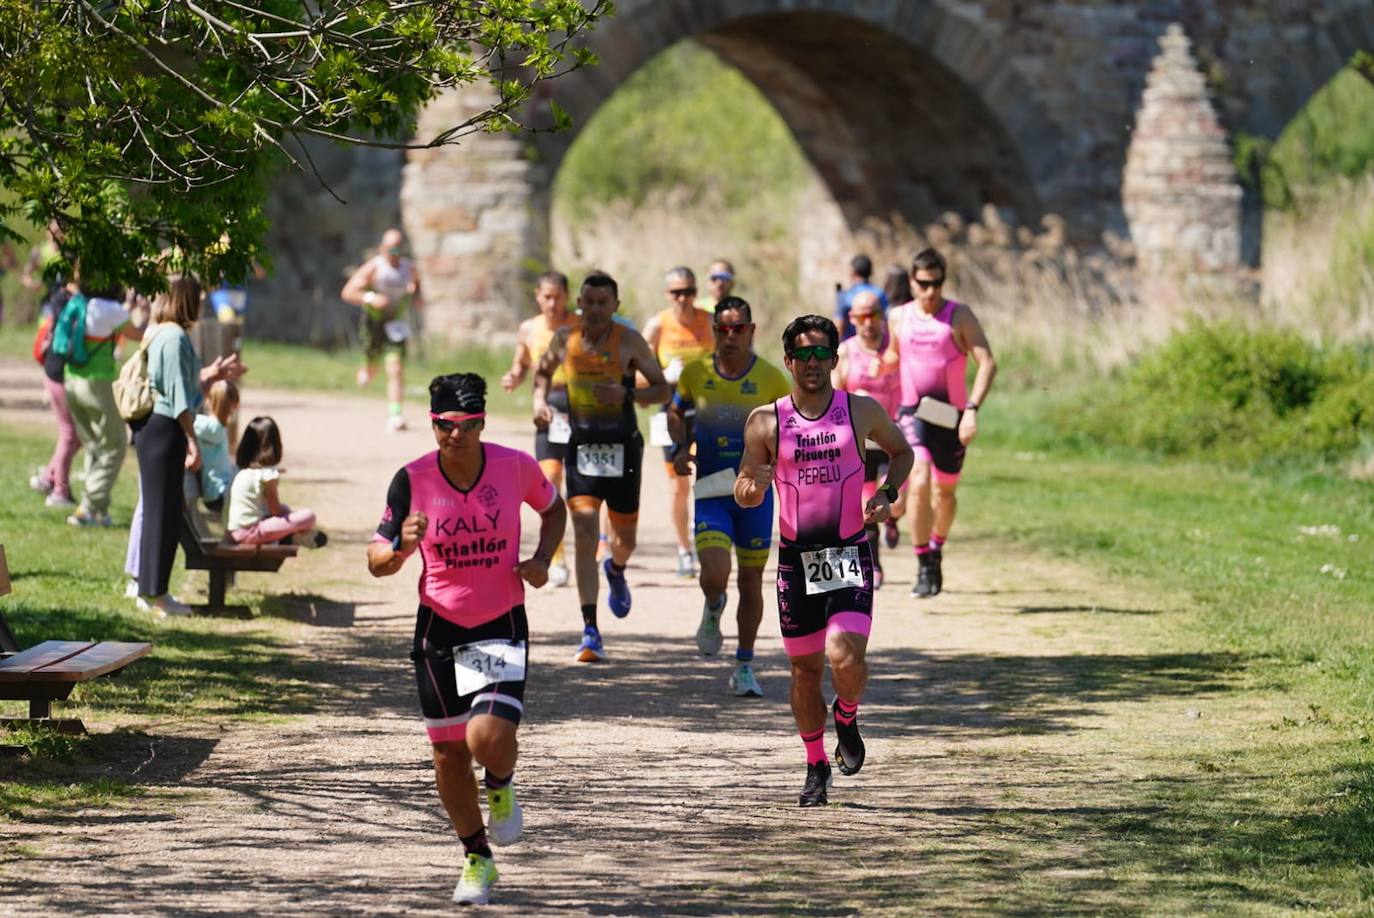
{"x":943,"y":825}
{"x":1096,"y":610}
{"x":312,"y":609}
{"x":911,"y":693}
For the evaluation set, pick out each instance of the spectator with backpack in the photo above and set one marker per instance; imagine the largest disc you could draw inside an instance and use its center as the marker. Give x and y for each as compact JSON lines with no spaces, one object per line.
{"x":87,"y":330}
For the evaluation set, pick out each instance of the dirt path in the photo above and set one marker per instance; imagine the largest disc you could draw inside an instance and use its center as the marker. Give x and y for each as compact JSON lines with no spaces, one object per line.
{"x":994,"y":719}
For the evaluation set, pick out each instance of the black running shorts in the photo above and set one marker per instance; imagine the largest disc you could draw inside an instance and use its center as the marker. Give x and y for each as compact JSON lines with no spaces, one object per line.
{"x":620,"y":494}
{"x":807,"y":618}
{"x":875,"y":464}
{"x":941,"y":443}
{"x":446,"y":712}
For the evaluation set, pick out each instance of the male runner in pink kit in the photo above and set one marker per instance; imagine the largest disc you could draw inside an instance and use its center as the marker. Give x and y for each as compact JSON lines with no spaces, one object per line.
{"x":868,"y":366}
{"x":809,"y":447}
{"x":934,"y":337}
{"x":460,"y":506}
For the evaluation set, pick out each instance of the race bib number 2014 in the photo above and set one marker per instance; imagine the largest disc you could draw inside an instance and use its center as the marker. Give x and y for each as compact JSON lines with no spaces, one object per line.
{"x":832,"y":569}
{"x":601,"y":460}
{"x":485,"y":663}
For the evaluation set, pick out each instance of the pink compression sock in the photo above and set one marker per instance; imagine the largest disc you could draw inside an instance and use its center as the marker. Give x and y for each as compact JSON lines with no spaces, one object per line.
{"x":815,"y":746}
{"x":846,"y":711}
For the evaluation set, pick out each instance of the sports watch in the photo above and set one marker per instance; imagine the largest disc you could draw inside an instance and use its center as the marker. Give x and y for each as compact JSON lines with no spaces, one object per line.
{"x":890,"y":492}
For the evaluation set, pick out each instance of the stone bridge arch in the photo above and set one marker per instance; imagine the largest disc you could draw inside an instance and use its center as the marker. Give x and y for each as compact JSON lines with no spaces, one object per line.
{"x":1031,"y":105}
{"x":900,"y":107}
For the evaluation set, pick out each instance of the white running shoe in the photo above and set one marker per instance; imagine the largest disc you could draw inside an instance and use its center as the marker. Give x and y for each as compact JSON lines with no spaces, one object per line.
{"x":686,"y":564}
{"x":474,"y":887}
{"x":558,"y":575}
{"x":59,"y":501}
{"x":166,"y":604}
{"x":709,"y":638}
{"x":87,"y":520}
{"x":395,"y":423}
{"x":131,"y":589}
{"x":505,"y":818}
{"x":743,"y":683}
{"x":40,"y":484}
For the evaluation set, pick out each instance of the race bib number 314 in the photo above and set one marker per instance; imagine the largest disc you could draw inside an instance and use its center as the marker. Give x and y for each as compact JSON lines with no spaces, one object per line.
{"x":832,"y":569}
{"x":601,"y":460}
{"x":485,"y":663}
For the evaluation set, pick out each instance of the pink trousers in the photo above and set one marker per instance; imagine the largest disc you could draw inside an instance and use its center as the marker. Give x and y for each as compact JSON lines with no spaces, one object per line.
{"x":59,"y":467}
{"x":275,"y":528}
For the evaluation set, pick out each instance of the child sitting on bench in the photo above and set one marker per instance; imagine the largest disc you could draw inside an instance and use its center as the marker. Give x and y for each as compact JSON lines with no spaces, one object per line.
{"x":217,"y":469}
{"x":256,"y":514}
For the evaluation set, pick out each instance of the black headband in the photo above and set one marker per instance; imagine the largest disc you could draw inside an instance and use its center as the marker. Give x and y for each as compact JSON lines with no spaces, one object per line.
{"x":464,"y":395}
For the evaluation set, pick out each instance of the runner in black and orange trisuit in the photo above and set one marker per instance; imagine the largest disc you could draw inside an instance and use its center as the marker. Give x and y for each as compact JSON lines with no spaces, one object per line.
{"x":605,"y":453}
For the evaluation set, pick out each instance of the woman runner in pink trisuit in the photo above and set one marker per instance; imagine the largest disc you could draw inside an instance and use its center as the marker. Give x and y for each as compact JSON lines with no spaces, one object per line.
{"x":459,"y":507}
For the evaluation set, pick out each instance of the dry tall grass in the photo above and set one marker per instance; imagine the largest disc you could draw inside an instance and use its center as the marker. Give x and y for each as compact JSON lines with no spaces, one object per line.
{"x":1050,"y":308}
{"x":638,"y":243}
{"x":1318,"y":265}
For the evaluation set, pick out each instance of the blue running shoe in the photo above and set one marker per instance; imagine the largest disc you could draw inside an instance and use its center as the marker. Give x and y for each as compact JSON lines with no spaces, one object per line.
{"x":589,"y":651}
{"x":619,"y":600}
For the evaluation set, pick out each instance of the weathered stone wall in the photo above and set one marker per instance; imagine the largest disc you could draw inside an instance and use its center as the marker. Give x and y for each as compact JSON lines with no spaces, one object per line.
{"x":1180,"y":189}
{"x":316,"y":241}
{"x":906,"y":106}
{"x":471,"y":223}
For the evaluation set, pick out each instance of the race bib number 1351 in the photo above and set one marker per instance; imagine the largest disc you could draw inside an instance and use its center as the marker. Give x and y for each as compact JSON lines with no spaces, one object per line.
{"x":601,"y":460}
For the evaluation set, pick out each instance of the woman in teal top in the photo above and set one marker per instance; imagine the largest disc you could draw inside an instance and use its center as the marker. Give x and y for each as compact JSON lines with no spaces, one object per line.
{"x":166,"y":439}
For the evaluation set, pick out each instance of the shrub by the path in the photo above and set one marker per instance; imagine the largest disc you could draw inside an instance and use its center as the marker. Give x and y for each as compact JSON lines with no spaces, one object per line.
{"x":1239,"y":394}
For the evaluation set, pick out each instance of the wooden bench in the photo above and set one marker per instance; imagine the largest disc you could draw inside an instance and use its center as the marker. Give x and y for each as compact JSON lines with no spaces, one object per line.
{"x":49,"y":671}
{"x":207,"y":552}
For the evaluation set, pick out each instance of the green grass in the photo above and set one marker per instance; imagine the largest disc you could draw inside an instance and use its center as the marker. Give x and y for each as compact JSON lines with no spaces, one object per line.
{"x":685,"y":120}
{"x":16,"y":340}
{"x":68,"y":585}
{"x":1333,"y":136}
{"x":1279,"y":812}
{"x":1232,"y":539}
{"x":29,"y":801}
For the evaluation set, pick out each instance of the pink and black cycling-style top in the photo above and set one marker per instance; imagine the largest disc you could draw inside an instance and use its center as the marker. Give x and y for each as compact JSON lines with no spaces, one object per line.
{"x":931,"y":362}
{"x":819,"y":476}
{"x":471,"y":546}
{"x":876,"y":375}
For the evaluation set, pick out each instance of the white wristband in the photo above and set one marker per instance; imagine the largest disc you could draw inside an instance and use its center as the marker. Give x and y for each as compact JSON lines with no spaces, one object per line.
{"x":368,"y":298}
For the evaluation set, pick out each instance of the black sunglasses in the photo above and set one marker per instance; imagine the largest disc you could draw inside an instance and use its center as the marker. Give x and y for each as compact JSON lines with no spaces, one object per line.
{"x":683,"y":291}
{"x":821,"y":352}
{"x":445,"y":425}
{"x":927,"y":284}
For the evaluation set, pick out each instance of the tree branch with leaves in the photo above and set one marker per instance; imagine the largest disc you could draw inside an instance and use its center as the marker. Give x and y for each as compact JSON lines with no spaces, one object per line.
{"x":149,"y":129}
